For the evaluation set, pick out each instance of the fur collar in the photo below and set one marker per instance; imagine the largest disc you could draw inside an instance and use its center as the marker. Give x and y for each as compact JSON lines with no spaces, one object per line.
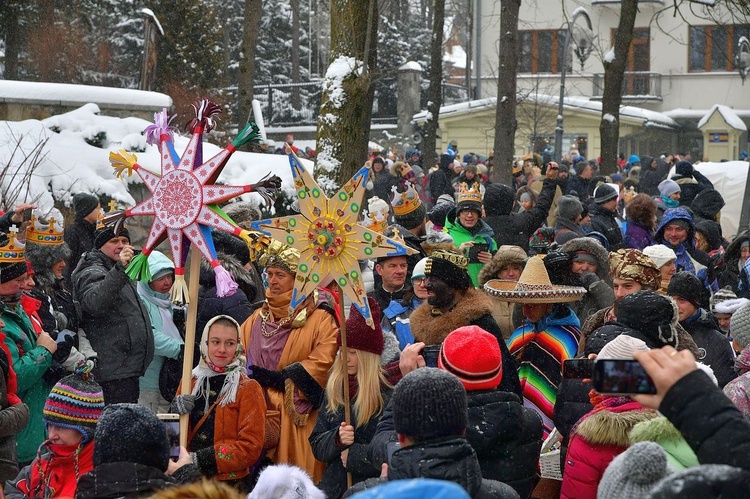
{"x":432,"y":329}
{"x":655,"y":430}
{"x":612,"y":428}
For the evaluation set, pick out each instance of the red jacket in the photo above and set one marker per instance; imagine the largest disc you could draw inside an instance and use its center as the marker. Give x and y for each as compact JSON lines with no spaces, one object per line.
{"x":596,"y":440}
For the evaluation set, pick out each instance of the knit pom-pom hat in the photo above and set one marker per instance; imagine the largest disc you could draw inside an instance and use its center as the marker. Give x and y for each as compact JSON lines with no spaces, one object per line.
{"x":76,"y":402}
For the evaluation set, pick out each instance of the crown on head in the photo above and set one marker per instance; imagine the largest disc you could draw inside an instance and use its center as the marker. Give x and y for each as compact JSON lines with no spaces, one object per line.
{"x":468,"y":195}
{"x":377,"y":217}
{"x":14,"y":251}
{"x":405,"y":202}
{"x":39,"y":233}
{"x":100,"y":220}
{"x":455,"y":258}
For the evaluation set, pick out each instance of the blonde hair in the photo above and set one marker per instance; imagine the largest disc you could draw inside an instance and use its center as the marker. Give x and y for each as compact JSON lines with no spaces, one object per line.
{"x":368,"y":401}
{"x":208,"y":489}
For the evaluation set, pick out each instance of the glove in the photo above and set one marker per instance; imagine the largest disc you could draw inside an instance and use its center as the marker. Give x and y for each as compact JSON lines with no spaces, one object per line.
{"x":588,"y":279}
{"x":183,"y":404}
{"x":267,"y":378}
{"x":64,"y":345}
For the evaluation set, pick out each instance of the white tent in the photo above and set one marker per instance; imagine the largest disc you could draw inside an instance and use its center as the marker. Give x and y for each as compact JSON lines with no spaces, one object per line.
{"x":729,"y":179}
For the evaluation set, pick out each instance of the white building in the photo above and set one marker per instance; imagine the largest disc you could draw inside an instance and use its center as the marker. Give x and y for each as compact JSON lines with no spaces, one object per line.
{"x":679,"y":67}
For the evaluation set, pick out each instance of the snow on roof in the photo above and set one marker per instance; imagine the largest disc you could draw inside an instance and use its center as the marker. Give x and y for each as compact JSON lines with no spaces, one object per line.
{"x":650,"y":118}
{"x":413,"y":65}
{"x":65,"y":94}
{"x":70,"y":165}
{"x":697,"y":114}
{"x":728,"y":114}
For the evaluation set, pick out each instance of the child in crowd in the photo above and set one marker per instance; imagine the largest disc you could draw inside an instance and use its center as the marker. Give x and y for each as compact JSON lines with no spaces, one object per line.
{"x":71,"y":413}
{"x":227,"y":409}
{"x":344,"y":446}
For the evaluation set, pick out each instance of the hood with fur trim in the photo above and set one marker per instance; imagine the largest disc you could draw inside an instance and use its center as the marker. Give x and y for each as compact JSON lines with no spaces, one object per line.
{"x":612,"y":427}
{"x":590,"y":245}
{"x":241,"y":275}
{"x":505,"y":255}
{"x":432,"y":329}
{"x":43,"y":257}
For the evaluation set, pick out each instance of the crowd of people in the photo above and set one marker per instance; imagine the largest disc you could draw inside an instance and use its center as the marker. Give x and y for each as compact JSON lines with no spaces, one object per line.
{"x":452,"y":390}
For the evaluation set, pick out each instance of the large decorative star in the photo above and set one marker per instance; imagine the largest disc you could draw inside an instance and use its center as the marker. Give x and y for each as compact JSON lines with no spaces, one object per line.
{"x":330,"y":239}
{"x":184,"y":200}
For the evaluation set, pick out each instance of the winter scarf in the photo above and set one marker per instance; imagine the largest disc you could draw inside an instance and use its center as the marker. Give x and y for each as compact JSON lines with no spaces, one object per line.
{"x":162,"y":302}
{"x":56,"y":474}
{"x":669,"y":202}
{"x":279,"y":304}
{"x":206,"y":370}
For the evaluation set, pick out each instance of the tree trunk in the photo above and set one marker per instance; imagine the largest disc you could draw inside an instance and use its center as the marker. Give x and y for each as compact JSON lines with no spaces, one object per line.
{"x":294,"y":4}
{"x":346,"y":108}
{"x":505,"y":111}
{"x":435,"y":95}
{"x":13,"y":39}
{"x":245,"y":84}
{"x":614,"y":71}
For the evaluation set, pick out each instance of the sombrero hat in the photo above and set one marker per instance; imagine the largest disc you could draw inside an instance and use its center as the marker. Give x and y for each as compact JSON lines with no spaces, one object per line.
{"x":533,"y":286}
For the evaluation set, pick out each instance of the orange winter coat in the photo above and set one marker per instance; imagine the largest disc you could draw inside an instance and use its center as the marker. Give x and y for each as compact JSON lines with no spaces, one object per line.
{"x":239,"y":430}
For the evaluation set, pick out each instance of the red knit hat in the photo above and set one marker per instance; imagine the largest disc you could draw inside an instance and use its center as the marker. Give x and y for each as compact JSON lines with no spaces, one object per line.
{"x":472,"y":355}
{"x":359,"y":335}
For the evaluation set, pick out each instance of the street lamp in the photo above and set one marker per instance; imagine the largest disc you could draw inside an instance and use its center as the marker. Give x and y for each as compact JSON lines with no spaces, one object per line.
{"x":742,"y":59}
{"x":583,"y":38}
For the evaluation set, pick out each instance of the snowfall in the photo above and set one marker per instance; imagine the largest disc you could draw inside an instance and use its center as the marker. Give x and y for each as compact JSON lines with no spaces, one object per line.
{"x":69,"y":165}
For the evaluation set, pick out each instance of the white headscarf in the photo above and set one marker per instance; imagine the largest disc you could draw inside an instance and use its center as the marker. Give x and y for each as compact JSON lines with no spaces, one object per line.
{"x":206,"y":370}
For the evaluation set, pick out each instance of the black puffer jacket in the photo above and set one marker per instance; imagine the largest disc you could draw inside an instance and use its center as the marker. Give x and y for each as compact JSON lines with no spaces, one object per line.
{"x":604,"y":221}
{"x":507,"y":438}
{"x":571,"y":404}
{"x":650,"y":178}
{"x":79,"y":236}
{"x":515,"y":228}
{"x":131,"y":480}
{"x":714,"y":428}
{"x":715,"y":349}
{"x":691,"y":186}
{"x":325,"y":447}
{"x":450,"y":459}
{"x":115,"y":320}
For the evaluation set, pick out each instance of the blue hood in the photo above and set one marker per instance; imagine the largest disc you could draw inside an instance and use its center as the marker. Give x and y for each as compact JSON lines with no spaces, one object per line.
{"x":676,"y":214}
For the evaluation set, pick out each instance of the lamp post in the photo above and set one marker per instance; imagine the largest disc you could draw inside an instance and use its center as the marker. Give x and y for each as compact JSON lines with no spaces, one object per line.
{"x":742,"y":59}
{"x":583,"y":37}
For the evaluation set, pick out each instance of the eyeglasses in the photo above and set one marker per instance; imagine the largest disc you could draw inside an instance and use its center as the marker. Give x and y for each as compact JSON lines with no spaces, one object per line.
{"x":418,"y":281}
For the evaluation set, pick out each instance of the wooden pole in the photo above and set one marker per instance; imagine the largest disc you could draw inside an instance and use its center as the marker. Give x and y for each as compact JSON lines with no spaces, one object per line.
{"x":345,"y":377}
{"x":192,"y":319}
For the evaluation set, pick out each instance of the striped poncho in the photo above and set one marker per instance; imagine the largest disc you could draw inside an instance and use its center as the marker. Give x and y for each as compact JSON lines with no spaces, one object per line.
{"x":539,"y":350}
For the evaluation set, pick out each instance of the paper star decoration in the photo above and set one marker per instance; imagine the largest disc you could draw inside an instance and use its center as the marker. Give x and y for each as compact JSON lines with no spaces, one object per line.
{"x":329,"y":237}
{"x":184,"y":197}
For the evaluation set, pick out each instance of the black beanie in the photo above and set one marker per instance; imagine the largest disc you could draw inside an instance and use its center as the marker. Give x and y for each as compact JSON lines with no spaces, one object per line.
{"x":498,"y":200}
{"x":651,"y":314}
{"x":131,"y":433}
{"x":84,"y":203}
{"x":429,"y":403}
{"x":687,"y":286}
{"x":11,"y":270}
{"x":684,"y":168}
{"x":231,"y":245}
{"x":101,"y":236}
{"x":438,"y":213}
{"x":412,"y":219}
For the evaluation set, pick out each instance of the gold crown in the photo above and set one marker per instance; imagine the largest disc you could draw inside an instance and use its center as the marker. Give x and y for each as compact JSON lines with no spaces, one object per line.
{"x":13,"y":252}
{"x":50,"y":234}
{"x":455,"y":258}
{"x":469,"y":195}
{"x":405,"y":202}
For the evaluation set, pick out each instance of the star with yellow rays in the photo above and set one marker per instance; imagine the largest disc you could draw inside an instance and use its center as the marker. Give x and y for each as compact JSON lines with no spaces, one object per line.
{"x":329,"y":237}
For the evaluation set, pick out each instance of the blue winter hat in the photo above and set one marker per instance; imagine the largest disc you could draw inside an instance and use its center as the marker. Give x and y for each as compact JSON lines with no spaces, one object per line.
{"x":578,"y":159}
{"x":633,"y":159}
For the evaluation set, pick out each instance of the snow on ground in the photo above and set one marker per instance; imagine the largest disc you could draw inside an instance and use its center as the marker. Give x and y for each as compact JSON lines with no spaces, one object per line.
{"x":71,"y":165}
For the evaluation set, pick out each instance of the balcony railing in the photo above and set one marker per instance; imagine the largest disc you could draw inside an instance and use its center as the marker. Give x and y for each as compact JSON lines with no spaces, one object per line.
{"x":636,"y":86}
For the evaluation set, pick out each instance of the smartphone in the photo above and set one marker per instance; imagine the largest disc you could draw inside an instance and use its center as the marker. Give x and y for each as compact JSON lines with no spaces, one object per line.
{"x":430,"y":354}
{"x":391,"y":447}
{"x":622,"y":376}
{"x":578,"y":368}
{"x":473,"y":255}
{"x":172,"y":423}
{"x":27,"y":214}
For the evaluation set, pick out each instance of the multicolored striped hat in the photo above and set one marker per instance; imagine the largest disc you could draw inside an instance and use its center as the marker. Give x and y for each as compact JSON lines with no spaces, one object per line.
{"x":76,"y":402}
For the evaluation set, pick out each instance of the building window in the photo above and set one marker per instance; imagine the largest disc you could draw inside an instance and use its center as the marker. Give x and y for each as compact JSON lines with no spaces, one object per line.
{"x":712,"y":47}
{"x":541,"y":51}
